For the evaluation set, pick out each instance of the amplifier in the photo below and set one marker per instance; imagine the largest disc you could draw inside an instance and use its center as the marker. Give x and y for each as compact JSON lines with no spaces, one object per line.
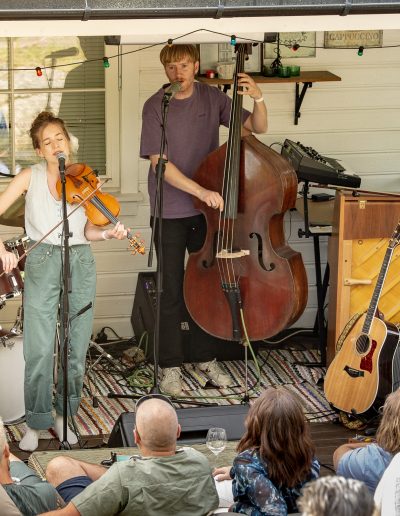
{"x":195,"y":423}
{"x":143,"y":320}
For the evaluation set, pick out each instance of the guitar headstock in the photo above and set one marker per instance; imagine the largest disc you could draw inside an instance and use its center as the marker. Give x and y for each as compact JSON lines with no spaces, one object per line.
{"x":395,"y":238}
{"x":137,"y":246}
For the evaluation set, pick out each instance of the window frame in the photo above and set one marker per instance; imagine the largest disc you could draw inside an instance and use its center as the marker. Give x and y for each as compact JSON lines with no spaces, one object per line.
{"x":112,"y":110}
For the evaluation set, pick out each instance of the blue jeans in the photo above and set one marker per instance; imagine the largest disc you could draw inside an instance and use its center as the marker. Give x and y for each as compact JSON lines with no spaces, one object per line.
{"x":42,"y":290}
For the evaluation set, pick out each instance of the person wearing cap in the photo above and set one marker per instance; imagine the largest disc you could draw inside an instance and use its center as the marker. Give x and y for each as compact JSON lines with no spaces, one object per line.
{"x":161,"y":480}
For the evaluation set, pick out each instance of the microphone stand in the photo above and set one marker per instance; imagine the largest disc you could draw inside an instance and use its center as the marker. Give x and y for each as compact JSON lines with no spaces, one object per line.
{"x":64,"y":305}
{"x":157,"y":222}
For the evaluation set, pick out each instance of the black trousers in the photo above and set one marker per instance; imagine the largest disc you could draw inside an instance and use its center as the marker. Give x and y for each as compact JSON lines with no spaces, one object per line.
{"x":179,"y":236}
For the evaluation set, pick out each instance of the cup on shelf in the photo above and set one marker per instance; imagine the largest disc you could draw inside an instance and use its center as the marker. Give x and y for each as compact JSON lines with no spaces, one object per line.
{"x":225,"y":69}
{"x":294,"y":70}
{"x":284,"y":71}
{"x":268,"y":71}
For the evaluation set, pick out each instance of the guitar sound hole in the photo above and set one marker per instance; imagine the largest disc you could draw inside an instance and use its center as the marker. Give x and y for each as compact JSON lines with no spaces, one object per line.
{"x":362,"y":344}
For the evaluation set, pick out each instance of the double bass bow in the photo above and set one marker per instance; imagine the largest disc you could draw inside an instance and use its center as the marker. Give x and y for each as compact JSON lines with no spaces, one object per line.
{"x":245,"y":273}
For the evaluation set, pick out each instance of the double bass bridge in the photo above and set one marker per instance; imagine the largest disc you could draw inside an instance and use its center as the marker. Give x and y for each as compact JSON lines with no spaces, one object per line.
{"x":228,"y":255}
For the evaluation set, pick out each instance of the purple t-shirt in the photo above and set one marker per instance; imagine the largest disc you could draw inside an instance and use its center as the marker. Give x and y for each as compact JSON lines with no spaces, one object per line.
{"x":192,"y":133}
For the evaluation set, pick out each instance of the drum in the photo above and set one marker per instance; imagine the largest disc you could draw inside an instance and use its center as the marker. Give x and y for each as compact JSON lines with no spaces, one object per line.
{"x":18,"y":246}
{"x":12,"y":370}
{"x":11,"y":284}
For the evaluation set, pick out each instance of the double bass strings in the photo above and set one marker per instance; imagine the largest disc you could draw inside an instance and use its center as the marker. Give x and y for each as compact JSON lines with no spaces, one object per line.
{"x":230,"y":191}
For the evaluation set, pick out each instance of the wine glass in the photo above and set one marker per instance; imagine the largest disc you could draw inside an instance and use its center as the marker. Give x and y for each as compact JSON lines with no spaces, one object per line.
{"x":216,"y":441}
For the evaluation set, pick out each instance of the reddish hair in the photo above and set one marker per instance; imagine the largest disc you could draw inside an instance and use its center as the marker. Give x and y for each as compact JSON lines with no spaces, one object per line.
{"x":277,"y":429}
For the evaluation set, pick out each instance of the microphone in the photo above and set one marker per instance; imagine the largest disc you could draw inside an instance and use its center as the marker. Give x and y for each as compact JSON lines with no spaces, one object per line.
{"x":64,"y":52}
{"x":61,"y":161}
{"x":172,"y":89}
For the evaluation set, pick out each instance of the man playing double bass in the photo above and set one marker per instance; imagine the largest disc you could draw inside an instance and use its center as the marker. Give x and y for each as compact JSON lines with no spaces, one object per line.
{"x":194,"y":117}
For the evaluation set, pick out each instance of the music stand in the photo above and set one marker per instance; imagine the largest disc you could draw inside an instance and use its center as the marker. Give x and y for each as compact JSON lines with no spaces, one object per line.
{"x":316,"y":232}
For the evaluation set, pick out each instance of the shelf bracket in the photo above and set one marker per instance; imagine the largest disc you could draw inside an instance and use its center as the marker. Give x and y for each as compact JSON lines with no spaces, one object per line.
{"x":299,"y":99}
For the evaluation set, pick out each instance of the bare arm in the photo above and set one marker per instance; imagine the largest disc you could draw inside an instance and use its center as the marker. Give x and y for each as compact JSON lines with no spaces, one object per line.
{"x":18,"y":186}
{"x":177,"y":179}
{"x":257,"y":122}
{"x":344,"y":448}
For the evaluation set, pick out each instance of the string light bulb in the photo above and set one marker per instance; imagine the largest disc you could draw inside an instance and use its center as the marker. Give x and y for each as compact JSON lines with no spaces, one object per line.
{"x":170,"y":42}
{"x":360,"y":51}
{"x":295,"y":47}
{"x":233,"y":40}
{"x":106,"y":62}
{"x":39,"y":72}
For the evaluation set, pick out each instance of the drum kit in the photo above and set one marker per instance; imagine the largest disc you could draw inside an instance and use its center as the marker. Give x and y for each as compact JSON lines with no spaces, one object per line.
{"x":12,"y":364}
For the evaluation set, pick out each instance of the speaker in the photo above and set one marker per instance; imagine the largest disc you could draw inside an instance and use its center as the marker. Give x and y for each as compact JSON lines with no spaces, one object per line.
{"x":143,"y":320}
{"x":195,"y":423}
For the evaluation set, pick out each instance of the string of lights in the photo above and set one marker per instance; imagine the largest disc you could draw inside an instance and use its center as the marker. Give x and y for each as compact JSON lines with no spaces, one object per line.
{"x":233,"y":39}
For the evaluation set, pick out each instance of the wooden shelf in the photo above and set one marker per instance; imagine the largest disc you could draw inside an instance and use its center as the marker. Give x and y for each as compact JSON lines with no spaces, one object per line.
{"x":306,"y":78}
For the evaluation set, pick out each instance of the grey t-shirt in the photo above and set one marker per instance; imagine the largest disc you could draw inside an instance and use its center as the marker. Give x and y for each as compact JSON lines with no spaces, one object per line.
{"x":29,"y":492}
{"x":192,"y":132}
{"x":177,"y":485}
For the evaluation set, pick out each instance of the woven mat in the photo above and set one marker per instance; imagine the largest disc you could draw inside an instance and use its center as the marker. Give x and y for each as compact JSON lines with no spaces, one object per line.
{"x":276,"y":368}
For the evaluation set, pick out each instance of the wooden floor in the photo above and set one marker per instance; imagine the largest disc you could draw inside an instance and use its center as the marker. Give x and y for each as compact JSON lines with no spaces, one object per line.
{"x":326,"y":436}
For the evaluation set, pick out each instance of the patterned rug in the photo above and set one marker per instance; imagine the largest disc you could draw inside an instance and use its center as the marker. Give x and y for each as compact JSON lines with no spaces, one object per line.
{"x":274,"y":368}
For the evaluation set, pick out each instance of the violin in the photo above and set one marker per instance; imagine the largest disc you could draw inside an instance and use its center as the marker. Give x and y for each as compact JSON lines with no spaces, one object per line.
{"x":101,"y":208}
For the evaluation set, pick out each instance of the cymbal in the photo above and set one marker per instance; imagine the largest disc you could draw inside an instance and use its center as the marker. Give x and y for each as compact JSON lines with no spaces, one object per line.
{"x":15,"y":214}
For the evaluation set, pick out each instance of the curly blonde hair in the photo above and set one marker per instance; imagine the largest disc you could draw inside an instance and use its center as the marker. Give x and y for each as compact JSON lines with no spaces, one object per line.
{"x":44,"y":119}
{"x":336,"y":495}
{"x":388,"y":433}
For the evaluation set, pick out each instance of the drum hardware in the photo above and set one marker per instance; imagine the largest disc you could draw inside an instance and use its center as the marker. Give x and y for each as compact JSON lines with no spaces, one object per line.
{"x":17,"y":328}
{"x":19,"y":247}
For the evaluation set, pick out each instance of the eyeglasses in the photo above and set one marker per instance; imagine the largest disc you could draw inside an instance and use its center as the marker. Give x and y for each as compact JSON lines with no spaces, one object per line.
{"x":151,"y":397}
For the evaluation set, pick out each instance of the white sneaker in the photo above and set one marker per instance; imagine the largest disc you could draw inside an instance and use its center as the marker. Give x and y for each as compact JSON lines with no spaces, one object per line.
{"x":30,"y":441}
{"x":215,"y":373}
{"x":171,"y":382}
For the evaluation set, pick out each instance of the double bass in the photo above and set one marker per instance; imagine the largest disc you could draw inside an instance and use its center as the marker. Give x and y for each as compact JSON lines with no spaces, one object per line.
{"x":245,"y":281}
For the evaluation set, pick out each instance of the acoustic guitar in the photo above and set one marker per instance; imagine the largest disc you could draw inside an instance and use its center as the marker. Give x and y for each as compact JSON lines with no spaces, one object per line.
{"x":366,"y":369}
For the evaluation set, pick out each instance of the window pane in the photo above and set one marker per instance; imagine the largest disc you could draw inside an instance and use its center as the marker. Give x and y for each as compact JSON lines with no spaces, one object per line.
{"x":5,"y":142}
{"x":84,"y":115}
{"x":4,"y":64}
{"x":44,"y":52}
{"x":26,"y":109}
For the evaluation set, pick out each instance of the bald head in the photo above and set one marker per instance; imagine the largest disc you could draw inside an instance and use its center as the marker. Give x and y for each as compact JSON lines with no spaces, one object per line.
{"x":157,"y":425}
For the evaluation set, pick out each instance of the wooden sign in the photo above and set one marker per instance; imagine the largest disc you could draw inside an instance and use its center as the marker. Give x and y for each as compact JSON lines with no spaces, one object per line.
{"x":353,"y":38}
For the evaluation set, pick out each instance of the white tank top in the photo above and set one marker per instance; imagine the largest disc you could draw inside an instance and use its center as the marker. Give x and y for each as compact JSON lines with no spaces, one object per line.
{"x":42,"y":212}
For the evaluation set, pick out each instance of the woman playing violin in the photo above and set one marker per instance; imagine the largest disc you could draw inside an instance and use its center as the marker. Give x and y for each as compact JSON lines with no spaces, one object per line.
{"x":43,"y":280}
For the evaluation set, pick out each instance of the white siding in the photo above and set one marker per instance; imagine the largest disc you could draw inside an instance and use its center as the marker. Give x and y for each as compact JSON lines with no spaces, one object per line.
{"x":355,"y":120}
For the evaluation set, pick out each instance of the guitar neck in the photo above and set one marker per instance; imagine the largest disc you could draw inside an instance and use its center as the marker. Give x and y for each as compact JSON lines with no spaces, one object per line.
{"x":377,"y":291}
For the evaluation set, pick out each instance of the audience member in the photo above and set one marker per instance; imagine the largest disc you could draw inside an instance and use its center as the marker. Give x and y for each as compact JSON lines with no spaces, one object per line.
{"x":30,"y":494}
{"x":162,"y":480}
{"x":336,"y":495}
{"x":368,"y":461}
{"x":387,"y":494}
{"x":276,"y":457}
